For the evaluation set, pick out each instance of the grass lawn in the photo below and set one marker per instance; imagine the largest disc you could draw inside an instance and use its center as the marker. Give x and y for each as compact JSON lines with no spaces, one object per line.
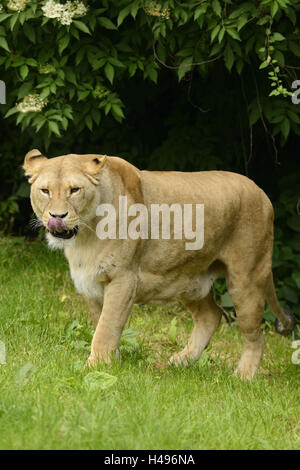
{"x":50,"y":400}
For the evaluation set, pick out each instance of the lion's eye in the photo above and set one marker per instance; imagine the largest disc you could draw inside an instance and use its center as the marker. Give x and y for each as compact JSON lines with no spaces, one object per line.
{"x":74,"y":190}
{"x":45,"y":191}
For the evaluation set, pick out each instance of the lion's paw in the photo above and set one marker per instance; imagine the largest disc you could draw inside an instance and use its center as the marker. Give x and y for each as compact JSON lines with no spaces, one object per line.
{"x":245,"y":372}
{"x":103,"y":358}
{"x":179,"y":359}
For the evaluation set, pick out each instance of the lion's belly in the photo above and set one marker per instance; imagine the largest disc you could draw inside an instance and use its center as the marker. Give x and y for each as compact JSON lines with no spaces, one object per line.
{"x":151,"y":288}
{"x":86,"y":284}
{"x":157,"y":289}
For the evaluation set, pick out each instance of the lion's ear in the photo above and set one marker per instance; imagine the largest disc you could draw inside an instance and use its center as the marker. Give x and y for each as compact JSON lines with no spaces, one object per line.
{"x":93,"y":166}
{"x":32,"y":163}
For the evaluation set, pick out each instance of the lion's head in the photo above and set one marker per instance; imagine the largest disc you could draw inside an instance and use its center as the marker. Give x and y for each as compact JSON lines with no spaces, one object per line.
{"x":64,"y":192}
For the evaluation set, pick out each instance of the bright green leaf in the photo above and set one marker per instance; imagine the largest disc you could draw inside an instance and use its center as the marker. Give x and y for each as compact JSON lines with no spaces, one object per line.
{"x":109,"y":72}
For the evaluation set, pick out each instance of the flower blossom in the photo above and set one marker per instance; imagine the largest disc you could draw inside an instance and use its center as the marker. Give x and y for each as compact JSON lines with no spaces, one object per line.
{"x":31,"y":103}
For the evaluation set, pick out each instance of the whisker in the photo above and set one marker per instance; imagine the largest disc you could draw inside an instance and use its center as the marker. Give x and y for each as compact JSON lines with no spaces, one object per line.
{"x":84,"y":223}
{"x":35,"y":223}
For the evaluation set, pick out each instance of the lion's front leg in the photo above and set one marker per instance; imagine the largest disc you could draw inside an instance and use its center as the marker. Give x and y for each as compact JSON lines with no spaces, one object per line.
{"x":118,"y":299}
{"x":95,"y":308}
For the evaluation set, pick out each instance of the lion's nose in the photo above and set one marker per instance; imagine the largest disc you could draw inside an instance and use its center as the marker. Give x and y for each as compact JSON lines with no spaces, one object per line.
{"x":59,"y":215}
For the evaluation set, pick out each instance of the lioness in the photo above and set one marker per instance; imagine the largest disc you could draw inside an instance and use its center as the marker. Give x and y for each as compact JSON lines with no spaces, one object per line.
{"x":112,"y":274}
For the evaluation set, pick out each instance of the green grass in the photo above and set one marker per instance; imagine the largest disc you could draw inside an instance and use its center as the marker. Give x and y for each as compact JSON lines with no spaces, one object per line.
{"x":46,"y":401}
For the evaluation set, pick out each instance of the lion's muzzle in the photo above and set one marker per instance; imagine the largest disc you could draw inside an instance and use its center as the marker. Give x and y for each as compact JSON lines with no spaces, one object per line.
{"x":58,"y":228}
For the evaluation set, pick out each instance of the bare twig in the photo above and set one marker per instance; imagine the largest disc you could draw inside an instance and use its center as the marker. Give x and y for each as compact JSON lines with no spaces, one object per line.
{"x":185,"y":65}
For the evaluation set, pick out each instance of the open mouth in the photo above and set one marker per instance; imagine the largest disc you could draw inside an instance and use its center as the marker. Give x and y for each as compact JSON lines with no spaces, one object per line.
{"x":65,"y":234}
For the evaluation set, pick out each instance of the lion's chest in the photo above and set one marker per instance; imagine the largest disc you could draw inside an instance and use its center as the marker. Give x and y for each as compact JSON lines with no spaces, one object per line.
{"x":86,"y":283}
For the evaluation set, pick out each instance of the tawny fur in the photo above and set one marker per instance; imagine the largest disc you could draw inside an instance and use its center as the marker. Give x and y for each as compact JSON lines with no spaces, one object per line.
{"x":114,"y":274}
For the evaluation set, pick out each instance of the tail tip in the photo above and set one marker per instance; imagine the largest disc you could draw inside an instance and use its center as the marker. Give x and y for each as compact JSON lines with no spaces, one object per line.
{"x":285,"y":330}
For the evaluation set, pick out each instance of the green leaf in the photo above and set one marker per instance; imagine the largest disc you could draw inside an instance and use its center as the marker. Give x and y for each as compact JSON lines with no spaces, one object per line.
{"x":4,"y":16}
{"x":200,"y":11}
{"x":63,"y":43}
{"x":18,"y":61}
{"x":241,"y":22}
{"x":279,"y":57}
{"x":294,"y":117}
{"x":216,"y":6}
{"x":11,"y":111}
{"x":13,"y":21}
{"x":106,"y":23}
{"x":226,"y":300}
{"x":29,"y":32}
{"x":107,"y":108}
{"x":295,"y":48}
{"x":185,"y":66}
{"x":243,"y":8}
{"x":3,"y":44}
{"x":31,"y":62}
{"x":276,"y":119}
{"x":135,"y":8}
{"x":173,"y":330}
{"x":123,"y":13}
{"x":289,"y":294}
{"x":215,"y":32}
{"x":221,"y":35}
{"x":291,"y":15}
{"x":117,"y":110}
{"x":239,"y":66}
{"x":83,"y":94}
{"x":89,"y":122}
{"x":233,"y":33}
{"x":96,"y":115}
{"x":255,"y":114}
{"x":228,"y":57}
{"x":115,"y":62}
{"x":109,"y":72}
{"x":45,"y":92}
{"x":70,"y":76}
{"x":40,"y":124}
{"x":25,"y":89}
{"x":277,"y":37}
{"x":296,"y":278}
{"x":96,"y":381}
{"x":285,"y":128}
{"x":53,"y":127}
{"x":24,"y":70}
{"x":274,"y":8}
{"x":264,"y":64}
{"x":152,"y":74}
{"x":82,"y":26}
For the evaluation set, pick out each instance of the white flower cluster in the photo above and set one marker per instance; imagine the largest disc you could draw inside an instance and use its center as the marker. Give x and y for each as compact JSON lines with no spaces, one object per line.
{"x":31,"y":103}
{"x":64,"y":13}
{"x":1,"y":8}
{"x":100,"y":91}
{"x":17,"y":5}
{"x":156,"y":9}
{"x":47,"y":68}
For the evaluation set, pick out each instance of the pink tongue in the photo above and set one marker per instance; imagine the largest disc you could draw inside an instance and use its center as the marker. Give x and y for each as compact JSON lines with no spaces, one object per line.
{"x":56,"y":224}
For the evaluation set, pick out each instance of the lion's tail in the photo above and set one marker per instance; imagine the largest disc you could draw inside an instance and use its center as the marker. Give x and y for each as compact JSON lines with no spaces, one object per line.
{"x":285,"y":321}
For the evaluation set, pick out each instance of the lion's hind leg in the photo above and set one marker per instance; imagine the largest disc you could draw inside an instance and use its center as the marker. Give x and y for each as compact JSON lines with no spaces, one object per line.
{"x":248,"y":299}
{"x":207,"y":316}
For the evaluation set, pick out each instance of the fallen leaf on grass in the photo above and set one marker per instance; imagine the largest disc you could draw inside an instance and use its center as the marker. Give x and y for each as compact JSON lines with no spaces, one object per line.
{"x":99,"y":381}
{"x":25,"y":373}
